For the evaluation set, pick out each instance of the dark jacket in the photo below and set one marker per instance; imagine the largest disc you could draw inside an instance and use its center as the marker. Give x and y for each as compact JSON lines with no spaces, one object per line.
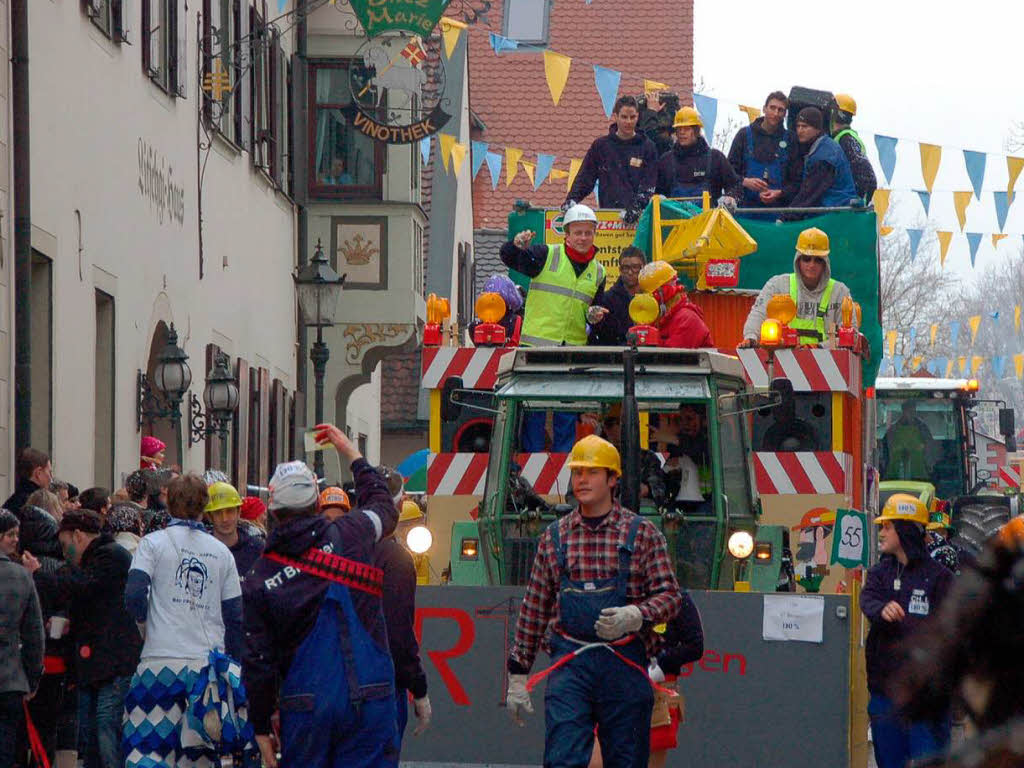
{"x":530,"y":261}
{"x":400,"y":615}
{"x":279,"y":613}
{"x":923,"y":584}
{"x":683,"y":327}
{"x":38,"y":535}
{"x":21,"y":630}
{"x":106,"y":641}
{"x":698,"y":165}
{"x":624,"y":169}
{"x":611,"y":332}
{"x":683,"y":641}
{"x":864,"y":178}
{"x":22,"y":491}
{"x":811,"y":183}
{"x":767,"y":146}
{"x":247,"y":549}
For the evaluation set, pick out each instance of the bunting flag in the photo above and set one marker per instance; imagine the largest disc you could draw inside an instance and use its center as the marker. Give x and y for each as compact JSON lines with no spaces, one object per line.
{"x":499,"y":43}
{"x":996,"y":239}
{"x":708,"y":108}
{"x":446,"y":141}
{"x":425,"y":150}
{"x":999,"y":365}
{"x":574,"y":168}
{"x":954,"y":332}
{"x":478,"y":153}
{"x":607,"y":83}
{"x":960,"y":202}
{"x":944,"y":239}
{"x":493,"y":160}
{"x":1014,"y":165}
{"x":975,"y":322}
{"x":886,"y":155}
{"x":881,"y":202}
{"x":1018,"y":365}
{"x":556,"y":70}
{"x":458,"y":156}
{"x":913,"y":336}
{"x":890,"y":339}
{"x":975,"y":162}
{"x":559,"y":174}
{"x":653,"y":86}
{"x":973,"y":241}
{"x":544,"y":165}
{"x":934,"y":330}
{"x":886,"y":231}
{"x":976,"y":361}
{"x":915,"y":241}
{"x":949,"y":368}
{"x":926,"y":199}
{"x":752,"y":112}
{"x":931,"y":156}
{"x":962,"y":362}
{"x":1016,"y":319}
{"x":897,"y":364}
{"x":916,"y":363}
{"x":511,"y":164}
{"x":1002,"y":200}
{"x":450,"y":31}
{"x":530,"y":169}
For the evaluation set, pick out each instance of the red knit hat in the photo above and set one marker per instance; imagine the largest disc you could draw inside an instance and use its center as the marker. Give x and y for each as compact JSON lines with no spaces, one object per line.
{"x":252,"y":508}
{"x":151,"y":446}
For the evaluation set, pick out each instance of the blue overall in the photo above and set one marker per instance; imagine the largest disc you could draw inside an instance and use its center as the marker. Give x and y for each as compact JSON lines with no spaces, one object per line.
{"x":595,"y":687}
{"x":771,"y":173}
{"x":842,"y":190}
{"x":694,"y":188}
{"x":338,"y":699}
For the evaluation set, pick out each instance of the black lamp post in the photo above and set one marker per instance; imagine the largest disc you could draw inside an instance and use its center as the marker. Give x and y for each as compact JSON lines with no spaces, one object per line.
{"x":319,"y":288}
{"x":172,"y":377}
{"x":220,"y":395}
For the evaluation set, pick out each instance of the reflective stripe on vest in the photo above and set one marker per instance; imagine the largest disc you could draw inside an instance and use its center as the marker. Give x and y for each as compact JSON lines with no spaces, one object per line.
{"x":851,"y":132}
{"x":814,"y":327}
{"x":556,"y":305}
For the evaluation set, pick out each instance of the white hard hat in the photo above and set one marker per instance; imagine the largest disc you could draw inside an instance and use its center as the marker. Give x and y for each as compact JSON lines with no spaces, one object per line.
{"x":579,"y":212}
{"x":689,"y":482}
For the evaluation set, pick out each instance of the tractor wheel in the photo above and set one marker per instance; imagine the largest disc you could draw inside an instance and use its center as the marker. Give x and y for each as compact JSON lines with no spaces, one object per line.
{"x":976,"y":523}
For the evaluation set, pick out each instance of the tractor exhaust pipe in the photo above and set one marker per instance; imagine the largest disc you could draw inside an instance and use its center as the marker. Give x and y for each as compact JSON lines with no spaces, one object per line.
{"x":629,"y":483}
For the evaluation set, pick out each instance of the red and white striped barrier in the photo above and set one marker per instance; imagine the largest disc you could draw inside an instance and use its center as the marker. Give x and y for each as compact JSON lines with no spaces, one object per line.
{"x":476,"y":366}
{"x":810,"y":369}
{"x":462,"y":474}
{"x":805,"y":472}
{"x":1009,"y":476}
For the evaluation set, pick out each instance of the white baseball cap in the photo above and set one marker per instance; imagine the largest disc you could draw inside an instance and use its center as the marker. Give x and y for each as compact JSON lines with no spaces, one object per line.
{"x":293,"y":486}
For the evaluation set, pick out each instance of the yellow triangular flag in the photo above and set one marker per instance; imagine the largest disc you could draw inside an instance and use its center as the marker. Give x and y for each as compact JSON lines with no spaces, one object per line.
{"x":1016,"y":319}
{"x":458,"y":155}
{"x":886,"y":231}
{"x":558,"y":173}
{"x":1018,"y":365}
{"x":975,"y":322}
{"x":890,"y":339}
{"x":931,"y":155}
{"x":574,"y":168}
{"x":450,"y":30}
{"x":916,"y":363}
{"x":529,"y":168}
{"x":881,"y":203}
{"x":944,"y":240}
{"x":446,"y":141}
{"x":752,"y":112}
{"x":976,"y":361}
{"x":556,"y":70}
{"x":949,"y":368}
{"x":511,"y":164}
{"x":935,"y":330}
{"x":960,"y":201}
{"x":962,"y":362}
{"x":996,"y":237}
{"x":1014,"y":165}
{"x":653,"y":86}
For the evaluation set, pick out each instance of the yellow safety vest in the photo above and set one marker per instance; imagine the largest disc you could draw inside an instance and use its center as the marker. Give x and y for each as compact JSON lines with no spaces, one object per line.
{"x":810,"y":328}
{"x":556,"y":306}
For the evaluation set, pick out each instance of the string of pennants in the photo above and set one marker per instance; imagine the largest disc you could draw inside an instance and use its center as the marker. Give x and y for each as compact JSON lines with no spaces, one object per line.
{"x":948,"y":367}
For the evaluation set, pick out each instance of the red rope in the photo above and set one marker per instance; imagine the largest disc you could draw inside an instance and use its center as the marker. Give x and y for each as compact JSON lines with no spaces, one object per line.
{"x":625,"y":640}
{"x":34,"y":741}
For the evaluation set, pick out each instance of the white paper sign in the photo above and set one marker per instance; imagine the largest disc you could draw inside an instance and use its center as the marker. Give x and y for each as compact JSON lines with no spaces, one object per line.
{"x":793,"y":617}
{"x":851,"y":537}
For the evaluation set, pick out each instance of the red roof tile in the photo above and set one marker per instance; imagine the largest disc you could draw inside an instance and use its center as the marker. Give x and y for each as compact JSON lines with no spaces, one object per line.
{"x":641,"y":38}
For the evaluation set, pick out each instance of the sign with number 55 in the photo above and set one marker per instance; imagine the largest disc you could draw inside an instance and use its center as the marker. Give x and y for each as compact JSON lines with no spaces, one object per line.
{"x":850,"y":539}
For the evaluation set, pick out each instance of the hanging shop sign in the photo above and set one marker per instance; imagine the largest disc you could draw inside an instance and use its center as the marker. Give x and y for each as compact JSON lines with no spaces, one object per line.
{"x":418,"y":16}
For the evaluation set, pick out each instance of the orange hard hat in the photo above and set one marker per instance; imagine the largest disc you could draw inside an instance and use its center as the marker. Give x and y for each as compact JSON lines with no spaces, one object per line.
{"x":335,"y":497}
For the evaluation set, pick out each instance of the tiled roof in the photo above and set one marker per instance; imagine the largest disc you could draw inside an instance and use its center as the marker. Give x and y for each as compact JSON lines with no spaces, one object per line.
{"x":641,"y":38}
{"x":399,"y":390}
{"x":486,"y":246}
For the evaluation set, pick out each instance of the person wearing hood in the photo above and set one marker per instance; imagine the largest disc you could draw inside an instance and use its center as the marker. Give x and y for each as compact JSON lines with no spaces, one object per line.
{"x":223,"y":511}
{"x":901,"y":592}
{"x":681,"y":323}
{"x":817,"y":296}
{"x":34,"y":471}
{"x":760,"y":153}
{"x":315,"y":639}
{"x":826,"y":180}
{"x":623,"y":165}
{"x":864,"y":178}
{"x":692,"y":167}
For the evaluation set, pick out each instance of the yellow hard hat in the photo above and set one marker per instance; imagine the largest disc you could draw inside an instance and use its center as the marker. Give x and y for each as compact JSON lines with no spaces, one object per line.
{"x":812,"y":242}
{"x":903,"y":506}
{"x":655,"y":275}
{"x":687,"y":116}
{"x":222,"y":496}
{"x":939,"y":521}
{"x":410,"y":511}
{"x":593,"y":452}
{"x":846,"y":103}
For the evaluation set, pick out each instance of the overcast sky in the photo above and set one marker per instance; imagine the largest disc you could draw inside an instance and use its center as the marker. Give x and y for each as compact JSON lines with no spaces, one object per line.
{"x":930,"y":70}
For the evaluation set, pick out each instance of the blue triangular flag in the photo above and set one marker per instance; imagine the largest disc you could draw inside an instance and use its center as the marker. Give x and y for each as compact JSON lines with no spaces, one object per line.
{"x":478,"y":153}
{"x":886,"y":362}
{"x":975,"y":162}
{"x":1002,"y":208}
{"x":954,"y":332}
{"x":425,"y":149}
{"x":995,"y":317}
{"x":544,"y":165}
{"x":973,"y":240}
{"x":897,"y":364}
{"x":913,"y":336}
{"x":499,"y":43}
{"x":493,"y":160}
{"x":932,"y":366}
{"x":926,"y":199}
{"x":708,"y":108}
{"x":941,"y":363}
{"x":886,"y":154}
{"x":281,"y":5}
{"x":915,"y":241}
{"x":999,"y":365}
{"x":607,"y":82}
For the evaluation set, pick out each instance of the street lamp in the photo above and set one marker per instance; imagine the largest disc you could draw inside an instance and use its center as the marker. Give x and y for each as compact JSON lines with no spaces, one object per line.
{"x":318,"y":288}
{"x":220,"y":395}
{"x":171,"y":380}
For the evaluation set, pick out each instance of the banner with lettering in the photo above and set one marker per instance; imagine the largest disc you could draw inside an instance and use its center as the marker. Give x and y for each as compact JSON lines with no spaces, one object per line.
{"x":613,"y":234}
{"x":378,"y":16}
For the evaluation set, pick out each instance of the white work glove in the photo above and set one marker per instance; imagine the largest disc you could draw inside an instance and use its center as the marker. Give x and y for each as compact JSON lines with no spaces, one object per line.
{"x":423,"y":712}
{"x":616,"y":622}
{"x":655,"y":672}
{"x":518,"y":699}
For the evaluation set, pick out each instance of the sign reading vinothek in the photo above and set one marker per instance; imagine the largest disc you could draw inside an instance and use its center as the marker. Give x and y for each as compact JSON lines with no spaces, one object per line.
{"x":397,"y":88}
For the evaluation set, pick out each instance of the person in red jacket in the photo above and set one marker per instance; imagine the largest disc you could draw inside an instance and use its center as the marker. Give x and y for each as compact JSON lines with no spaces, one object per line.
{"x":681,"y":323}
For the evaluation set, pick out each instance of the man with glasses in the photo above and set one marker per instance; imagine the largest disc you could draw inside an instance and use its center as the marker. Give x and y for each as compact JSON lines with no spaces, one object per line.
{"x":611,"y":330}
{"x":818,"y":297}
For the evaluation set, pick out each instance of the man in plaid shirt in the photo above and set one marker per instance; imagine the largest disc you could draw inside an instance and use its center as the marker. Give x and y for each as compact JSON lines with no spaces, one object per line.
{"x":600,"y":581}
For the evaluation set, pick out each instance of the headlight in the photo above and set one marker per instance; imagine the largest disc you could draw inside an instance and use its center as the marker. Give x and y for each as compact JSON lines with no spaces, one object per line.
{"x":419,"y":539}
{"x":741,"y":544}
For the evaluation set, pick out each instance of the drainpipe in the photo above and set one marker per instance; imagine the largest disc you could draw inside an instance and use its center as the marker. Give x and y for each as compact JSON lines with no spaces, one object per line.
{"x":303,"y":218}
{"x":22,"y":226}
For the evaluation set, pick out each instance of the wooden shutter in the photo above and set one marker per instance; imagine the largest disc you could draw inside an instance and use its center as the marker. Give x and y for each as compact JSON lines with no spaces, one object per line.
{"x":263,"y":435}
{"x":121,"y":11}
{"x":212,"y":443}
{"x":240,"y":445}
{"x":180,"y":75}
{"x":246,"y":48}
{"x":278,"y":437}
{"x":147,"y":64}
{"x":296,"y":449}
